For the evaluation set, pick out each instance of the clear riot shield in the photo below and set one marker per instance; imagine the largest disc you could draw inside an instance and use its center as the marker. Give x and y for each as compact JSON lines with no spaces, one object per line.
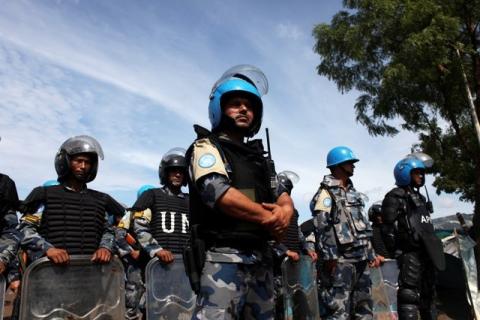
{"x":384,"y":290}
{"x":80,"y":290}
{"x":169,"y":295}
{"x":299,"y":282}
{"x":2,"y":294}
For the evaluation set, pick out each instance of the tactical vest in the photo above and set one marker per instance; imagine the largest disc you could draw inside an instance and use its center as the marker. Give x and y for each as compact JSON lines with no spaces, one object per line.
{"x":73,"y":221}
{"x":416,"y":230}
{"x":350,"y":223}
{"x":246,"y":167}
{"x":292,"y":240}
{"x":169,"y":225}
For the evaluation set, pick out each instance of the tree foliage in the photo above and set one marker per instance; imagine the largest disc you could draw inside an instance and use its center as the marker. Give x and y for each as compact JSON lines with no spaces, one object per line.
{"x":401,"y":56}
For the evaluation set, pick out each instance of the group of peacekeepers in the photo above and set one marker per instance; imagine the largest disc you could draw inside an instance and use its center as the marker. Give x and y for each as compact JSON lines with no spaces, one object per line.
{"x":237,"y":221}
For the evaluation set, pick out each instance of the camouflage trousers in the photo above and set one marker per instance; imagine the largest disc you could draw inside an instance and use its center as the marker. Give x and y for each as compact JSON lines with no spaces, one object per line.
{"x":235,"y":291}
{"x":134,"y":289}
{"x":349,"y":292}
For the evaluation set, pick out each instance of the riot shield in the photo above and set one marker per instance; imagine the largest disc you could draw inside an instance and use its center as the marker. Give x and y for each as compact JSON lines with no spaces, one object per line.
{"x":299,"y":286}
{"x":384,"y":290}
{"x":80,"y":290}
{"x":169,"y":295}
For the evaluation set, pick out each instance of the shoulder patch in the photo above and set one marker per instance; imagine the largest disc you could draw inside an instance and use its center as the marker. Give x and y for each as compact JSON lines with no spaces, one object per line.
{"x":324,"y":201}
{"x":31,"y":218}
{"x":207,"y":160}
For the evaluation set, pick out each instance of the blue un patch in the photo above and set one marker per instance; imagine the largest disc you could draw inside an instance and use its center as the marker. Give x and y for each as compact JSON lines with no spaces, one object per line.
{"x":207,"y":160}
{"x":327,"y":202}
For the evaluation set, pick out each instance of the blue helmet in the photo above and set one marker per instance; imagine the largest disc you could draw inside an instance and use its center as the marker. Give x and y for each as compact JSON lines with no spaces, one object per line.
{"x":339,"y":155}
{"x":50,"y":183}
{"x":144,"y":188}
{"x":229,"y":86}
{"x":404,"y":167}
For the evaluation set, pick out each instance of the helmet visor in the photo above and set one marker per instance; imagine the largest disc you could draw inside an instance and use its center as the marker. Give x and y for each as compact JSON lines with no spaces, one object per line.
{"x":292,"y":176}
{"x":82,"y":144}
{"x":246,"y":72}
{"x":174,"y":152}
{"x":425,"y":158}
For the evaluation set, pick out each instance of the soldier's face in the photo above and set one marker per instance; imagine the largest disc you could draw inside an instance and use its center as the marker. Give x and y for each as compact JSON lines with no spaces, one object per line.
{"x":348,"y":167}
{"x":80,"y":166}
{"x":176,"y":177}
{"x":418,"y":177}
{"x":240,"y":110}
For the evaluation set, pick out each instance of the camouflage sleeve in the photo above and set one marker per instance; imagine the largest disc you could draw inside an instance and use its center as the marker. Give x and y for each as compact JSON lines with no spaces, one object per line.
{"x":32,"y":241}
{"x":325,"y":234}
{"x":141,"y":227}
{"x":10,"y":238}
{"x":310,"y":241}
{"x":108,"y":237}
{"x":370,"y":251}
{"x":212,"y":187}
{"x":121,"y":244}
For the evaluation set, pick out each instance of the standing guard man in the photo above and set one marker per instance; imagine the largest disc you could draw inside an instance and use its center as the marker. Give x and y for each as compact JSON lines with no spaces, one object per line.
{"x":10,"y":237}
{"x":293,"y":245}
{"x":233,"y":204}
{"x":69,"y":218}
{"x":343,"y":234}
{"x":160,"y":215}
{"x":409,"y":236}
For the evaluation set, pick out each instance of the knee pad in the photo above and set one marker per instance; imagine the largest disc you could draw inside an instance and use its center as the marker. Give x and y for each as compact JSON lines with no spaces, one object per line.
{"x":408,"y":296}
{"x":407,"y":312}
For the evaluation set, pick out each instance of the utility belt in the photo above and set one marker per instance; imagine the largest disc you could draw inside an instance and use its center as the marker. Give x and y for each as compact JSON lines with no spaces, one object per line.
{"x":202,"y":240}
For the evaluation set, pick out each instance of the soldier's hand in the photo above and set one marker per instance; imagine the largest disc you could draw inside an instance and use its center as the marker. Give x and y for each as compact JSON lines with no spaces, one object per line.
{"x":312,"y":254}
{"x":3,"y":267}
{"x":292,"y":255}
{"x":135,"y":254}
{"x":102,"y":255}
{"x":165,"y":256}
{"x":278,"y":222}
{"x":14,"y":286}
{"x":377,"y":262}
{"x":58,"y":256}
{"x":330,"y":266}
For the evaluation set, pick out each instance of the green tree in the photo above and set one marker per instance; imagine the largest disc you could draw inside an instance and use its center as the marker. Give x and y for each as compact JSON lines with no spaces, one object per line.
{"x":401,"y":55}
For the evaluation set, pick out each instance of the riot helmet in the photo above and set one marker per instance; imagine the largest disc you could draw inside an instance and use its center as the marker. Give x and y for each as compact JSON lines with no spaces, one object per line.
{"x":74,"y":146}
{"x":174,"y":158}
{"x":144,"y":188}
{"x":375,"y":211}
{"x":247,"y":79}
{"x":403,"y":169}
{"x":287,"y":179}
{"x":339,"y":155}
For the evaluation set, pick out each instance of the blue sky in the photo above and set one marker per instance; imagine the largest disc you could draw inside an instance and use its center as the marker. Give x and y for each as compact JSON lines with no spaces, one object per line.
{"x":137,"y":74}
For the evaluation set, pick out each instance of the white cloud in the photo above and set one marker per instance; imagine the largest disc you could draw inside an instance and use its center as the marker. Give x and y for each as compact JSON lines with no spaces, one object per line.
{"x":289,"y":31}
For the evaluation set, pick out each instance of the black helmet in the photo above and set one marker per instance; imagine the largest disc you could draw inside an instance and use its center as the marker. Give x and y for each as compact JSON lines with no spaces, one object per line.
{"x":287,"y":179}
{"x":76,"y":145}
{"x":374,"y":211}
{"x":174,"y":158}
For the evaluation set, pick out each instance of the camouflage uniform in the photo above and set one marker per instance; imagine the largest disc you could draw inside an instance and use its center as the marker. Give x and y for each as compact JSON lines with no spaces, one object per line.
{"x":343,"y":233}
{"x":10,"y":236}
{"x":134,"y":268}
{"x":235,"y":283}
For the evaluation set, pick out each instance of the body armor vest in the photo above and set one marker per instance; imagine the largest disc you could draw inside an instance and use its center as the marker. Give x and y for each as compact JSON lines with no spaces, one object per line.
{"x":246,"y":167}
{"x":169,"y":225}
{"x":416,"y":230}
{"x":292,"y":240}
{"x":349,"y":220}
{"x":73,"y":221}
